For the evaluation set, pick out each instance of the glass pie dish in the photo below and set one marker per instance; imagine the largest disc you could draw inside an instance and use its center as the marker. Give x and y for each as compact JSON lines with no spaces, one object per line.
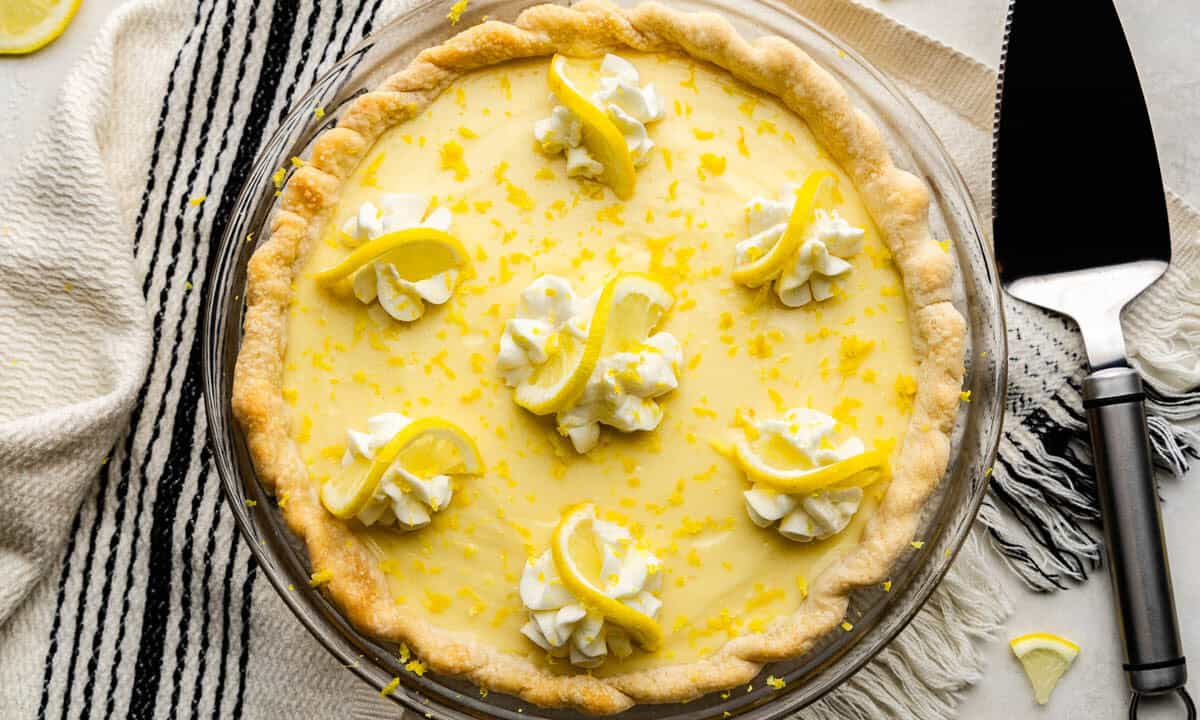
{"x":877,"y":615}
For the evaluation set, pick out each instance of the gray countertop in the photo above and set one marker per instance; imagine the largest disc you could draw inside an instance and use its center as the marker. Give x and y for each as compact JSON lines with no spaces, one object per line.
{"x":1164,"y":35}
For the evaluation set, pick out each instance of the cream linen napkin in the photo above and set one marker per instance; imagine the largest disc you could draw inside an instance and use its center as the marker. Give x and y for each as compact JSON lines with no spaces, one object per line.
{"x":154,"y":607}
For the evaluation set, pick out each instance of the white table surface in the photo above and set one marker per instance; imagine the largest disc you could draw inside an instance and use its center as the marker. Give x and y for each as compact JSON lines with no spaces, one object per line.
{"x":1165,"y":37}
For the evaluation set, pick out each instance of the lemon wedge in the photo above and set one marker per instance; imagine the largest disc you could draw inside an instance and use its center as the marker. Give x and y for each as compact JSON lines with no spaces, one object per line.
{"x":427,"y":447}
{"x":600,"y":136}
{"x":643,"y":628}
{"x":1045,"y":658}
{"x":556,"y":383}
{"x":638,"y":304}
{"x":761,"y":270}
{"x":28,"y":25}
{"x":417,"y":253}
{"x":780,"y":475}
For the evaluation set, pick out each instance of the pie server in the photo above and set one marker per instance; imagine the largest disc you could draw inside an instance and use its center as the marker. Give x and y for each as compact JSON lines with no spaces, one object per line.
{"x":1080,"y":227}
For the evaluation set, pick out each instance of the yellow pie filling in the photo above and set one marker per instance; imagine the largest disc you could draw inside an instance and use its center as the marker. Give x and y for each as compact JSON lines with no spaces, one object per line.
{"x":519,"y":217}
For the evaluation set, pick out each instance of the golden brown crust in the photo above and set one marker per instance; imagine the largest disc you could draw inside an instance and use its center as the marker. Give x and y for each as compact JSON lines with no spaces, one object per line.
{"x":897,"y":201}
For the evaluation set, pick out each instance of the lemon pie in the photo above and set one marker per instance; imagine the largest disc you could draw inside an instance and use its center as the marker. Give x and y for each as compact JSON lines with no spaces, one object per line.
{"x":597,"y":357}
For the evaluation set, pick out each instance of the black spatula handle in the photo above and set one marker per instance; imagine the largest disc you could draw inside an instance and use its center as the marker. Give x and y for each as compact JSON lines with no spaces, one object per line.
{"x":1133,"y":530}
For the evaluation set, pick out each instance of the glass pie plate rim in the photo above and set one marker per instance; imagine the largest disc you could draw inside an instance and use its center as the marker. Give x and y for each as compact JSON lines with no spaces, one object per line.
{"x":877,"y":616}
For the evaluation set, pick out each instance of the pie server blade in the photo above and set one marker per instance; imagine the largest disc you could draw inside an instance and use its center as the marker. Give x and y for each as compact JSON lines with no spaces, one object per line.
{"x":1080,"y":227}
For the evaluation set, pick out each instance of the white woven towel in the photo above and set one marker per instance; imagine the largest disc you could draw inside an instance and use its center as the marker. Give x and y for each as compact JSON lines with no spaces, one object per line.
{"x":125,"y":590}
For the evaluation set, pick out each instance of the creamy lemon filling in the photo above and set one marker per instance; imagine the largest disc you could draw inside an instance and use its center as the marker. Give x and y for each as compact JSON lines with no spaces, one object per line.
{"x":519,"y":218}
{"x":821,"y":257}
{"x":806,"y":436}
{"x":629,"y":106}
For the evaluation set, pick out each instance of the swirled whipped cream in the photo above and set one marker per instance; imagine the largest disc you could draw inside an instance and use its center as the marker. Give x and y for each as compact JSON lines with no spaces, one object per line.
{"x":821,"y":258}
{"x":563,"y":627}
{"x":818,"y":515}
{"x":380,"y":281}
{"x":630,"y":107}
{"x":402,"y":499}
{"x":621,"y":390}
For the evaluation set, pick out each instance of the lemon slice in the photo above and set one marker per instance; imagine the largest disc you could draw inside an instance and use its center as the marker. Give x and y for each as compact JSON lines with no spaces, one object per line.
{"x":417,"y":253}
{"x":801,"y":481}
{"x":760,"y":270}
{"x":1045,"y":658}
{"x":601,"y":137}
{"x":556,"y":383}
{"x":28,"y":25}
{"x":643,"y":628}
{"x":638,"y":305}
{"x":425,"y":448}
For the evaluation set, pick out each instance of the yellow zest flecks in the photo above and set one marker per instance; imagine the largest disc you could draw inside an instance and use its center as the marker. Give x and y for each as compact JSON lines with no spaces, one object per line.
{"x":851,"y":354}
{"x":703,"y":134}
{"x":965,"y":396}
{"x":518,"y":197}
{"x":457,"y":10}
{"x":369,"y":175}
{"x":944,"y":244}
{"x":416,"y":667}
{"x":847,"y":626}
{"x":777,"y":683}
{"x":319,"y":578}
{"x":906,"y":392}
{"x":710,"y":164}
{"x":197,"y":200}
{"x":278,"y":176}
{"x":887,"y":585}
{"x":917,"y":544}
{"x":451,"y":155}
{"x":319,"y":112}
{"x":298,"y":162}
{"x":390,"y":687}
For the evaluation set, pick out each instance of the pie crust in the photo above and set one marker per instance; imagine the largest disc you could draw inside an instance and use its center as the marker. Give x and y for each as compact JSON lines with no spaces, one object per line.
{"x":897,"y":201}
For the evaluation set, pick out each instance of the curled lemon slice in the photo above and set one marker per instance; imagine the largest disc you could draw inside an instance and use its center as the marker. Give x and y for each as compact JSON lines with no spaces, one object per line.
{"x":600,"y":136}
{"x":800,"y":481}
{"x":1045,"y":658}
{"x":427,"y":447}
{"x":643,"y":628}
{"x":28,"y":25}
{"x":417,"y":253}
{"x":556,"y":383}
{"x":761,"y":270}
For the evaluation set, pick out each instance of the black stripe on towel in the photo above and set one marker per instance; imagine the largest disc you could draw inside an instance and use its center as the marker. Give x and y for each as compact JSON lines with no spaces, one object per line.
{"x":148,"y":668}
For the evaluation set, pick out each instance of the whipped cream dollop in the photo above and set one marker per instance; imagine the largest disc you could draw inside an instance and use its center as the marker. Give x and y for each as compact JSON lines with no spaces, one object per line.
{"x":380,"y":281}
{"x":821,"y":258}
{"x":818,"y":515}
{"x":629,"y":105}
{"x":563,"y":627}
{"x":621,"y":390}
{"x":402,"y":499}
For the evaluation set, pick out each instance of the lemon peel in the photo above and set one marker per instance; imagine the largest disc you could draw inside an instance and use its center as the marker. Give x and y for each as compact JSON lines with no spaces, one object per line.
{"x":600,"y":135}
{"x":643,"y":628}
{"x":802,"y":482}
{"x":761,"y":270}
{"x":418,"y":253}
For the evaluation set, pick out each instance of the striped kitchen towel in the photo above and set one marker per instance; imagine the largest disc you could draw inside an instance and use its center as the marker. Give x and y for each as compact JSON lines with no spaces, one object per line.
{"x":125,"y":589}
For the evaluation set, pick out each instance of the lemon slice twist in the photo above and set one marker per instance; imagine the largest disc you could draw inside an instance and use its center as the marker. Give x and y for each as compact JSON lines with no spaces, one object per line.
{"x":600,"y":136}
{"x":851,"y":471}
{"x":762,"y":269}
{"x":417,"y":253}
{"x":426,"y":447}
{"x":643,"y":628}
{"x":629,"y":307}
